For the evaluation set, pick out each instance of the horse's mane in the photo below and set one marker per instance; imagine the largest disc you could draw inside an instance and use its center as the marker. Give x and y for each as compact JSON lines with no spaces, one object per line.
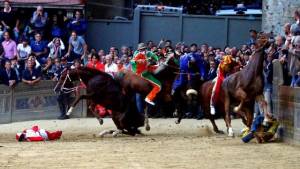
{"x":95,"y":72}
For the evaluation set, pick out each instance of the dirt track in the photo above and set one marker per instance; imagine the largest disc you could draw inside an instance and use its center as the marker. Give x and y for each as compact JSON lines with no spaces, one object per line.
{"x":188,"y":145}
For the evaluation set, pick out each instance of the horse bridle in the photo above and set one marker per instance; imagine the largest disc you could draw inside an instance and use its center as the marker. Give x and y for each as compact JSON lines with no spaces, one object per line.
{"x":72,"y":89}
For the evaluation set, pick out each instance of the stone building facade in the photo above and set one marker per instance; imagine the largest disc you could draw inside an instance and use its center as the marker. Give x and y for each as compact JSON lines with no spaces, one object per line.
{"x":278,"y":12}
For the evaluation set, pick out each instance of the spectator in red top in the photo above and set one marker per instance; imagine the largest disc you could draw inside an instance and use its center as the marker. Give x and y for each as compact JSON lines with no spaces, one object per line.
{"x":95,"y":63}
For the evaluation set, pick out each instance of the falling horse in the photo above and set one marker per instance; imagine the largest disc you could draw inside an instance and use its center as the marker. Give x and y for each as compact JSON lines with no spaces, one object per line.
{"x":246,"y":86}
{"x":102,"y":89}
{"x":115,"y":93}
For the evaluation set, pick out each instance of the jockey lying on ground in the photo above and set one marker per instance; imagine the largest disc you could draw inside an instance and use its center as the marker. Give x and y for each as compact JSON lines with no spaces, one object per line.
{"x":140,"y":66}
{"x":223,"y":70}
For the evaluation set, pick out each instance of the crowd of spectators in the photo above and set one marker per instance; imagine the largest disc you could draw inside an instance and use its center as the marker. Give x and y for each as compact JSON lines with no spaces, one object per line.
{"x":35,"y":47}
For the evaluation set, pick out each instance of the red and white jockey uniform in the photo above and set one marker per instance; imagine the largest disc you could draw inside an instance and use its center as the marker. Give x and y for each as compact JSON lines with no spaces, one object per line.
{"x":37,"y":134}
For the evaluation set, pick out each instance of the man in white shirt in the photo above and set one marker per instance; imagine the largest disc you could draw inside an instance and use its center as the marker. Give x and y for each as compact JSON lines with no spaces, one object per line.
{"x":23,"y":50}
{"x":110,"y":67}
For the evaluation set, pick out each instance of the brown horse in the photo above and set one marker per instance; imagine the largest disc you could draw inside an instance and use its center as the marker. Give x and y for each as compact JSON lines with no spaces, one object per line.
{"x":246,"y":86}
{"x":102,"y":89}
{"x":205,"y":97}
{"x":165,"y":73}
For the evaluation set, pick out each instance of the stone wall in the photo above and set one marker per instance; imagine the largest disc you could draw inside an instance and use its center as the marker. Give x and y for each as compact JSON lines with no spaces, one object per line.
{"x":278,"y":12}
{"x":32,"y":103}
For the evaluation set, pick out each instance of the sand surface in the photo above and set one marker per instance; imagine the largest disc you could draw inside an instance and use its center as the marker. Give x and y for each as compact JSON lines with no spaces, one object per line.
{"x":190,"y":144}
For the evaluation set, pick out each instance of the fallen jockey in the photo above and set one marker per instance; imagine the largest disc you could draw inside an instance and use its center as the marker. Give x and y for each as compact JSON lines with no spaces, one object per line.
{"x":141,"y":66}
{"x":223,"y":69}
{"x":189,"y":75}
{"x":37,"y":134}
{"x":261,"y":129}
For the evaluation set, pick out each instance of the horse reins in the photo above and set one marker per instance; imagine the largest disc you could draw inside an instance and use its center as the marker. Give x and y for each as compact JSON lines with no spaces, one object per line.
{"x":73,"y":89}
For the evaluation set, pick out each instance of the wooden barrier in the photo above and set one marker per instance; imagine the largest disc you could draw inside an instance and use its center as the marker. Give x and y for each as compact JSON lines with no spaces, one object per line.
{"x":286,"y":107}
{"x":26,"y":102}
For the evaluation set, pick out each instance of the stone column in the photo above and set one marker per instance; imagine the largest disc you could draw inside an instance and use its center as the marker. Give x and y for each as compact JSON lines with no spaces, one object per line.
{"x":278,"y":12}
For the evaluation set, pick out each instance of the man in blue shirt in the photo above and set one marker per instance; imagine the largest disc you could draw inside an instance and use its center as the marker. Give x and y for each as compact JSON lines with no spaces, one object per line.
{"x":39,"y":19}
{"x":39,"y":48}
{"x":77,"y":48}
{"x":78,"y":24}
{"x":31,"y":75}
{"x":197,"y":73}
{"x":8,"y":75}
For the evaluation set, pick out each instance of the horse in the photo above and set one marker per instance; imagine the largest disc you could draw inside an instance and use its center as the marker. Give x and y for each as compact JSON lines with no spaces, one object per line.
{"x":186,"y":97}
{"x":165,"y":73}
{"x":205,"y":92}
{"x":102,"y":89}
{"x":245,"y":87}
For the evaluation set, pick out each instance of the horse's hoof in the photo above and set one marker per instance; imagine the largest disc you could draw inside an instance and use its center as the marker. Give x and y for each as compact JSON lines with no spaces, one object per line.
{"x":116,"y":133}
{"x":70,"y":111}
{"x":219,"y":132}
{"x":147,"y":128}
{"x":177,"y":122}
{"x":230,"y":132}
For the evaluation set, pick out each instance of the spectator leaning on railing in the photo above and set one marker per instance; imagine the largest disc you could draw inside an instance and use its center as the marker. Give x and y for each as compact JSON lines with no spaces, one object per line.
{"x":31,"y":75}
{"x":8,"y":75}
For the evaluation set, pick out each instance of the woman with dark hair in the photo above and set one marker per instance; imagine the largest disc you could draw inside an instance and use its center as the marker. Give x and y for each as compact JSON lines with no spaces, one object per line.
{"x":95,"y":63}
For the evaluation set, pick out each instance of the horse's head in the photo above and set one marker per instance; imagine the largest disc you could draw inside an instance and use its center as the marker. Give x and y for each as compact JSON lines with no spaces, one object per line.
{"x":65,"y":82}
{"x":263,"y":40}
{"x":170,"y":65}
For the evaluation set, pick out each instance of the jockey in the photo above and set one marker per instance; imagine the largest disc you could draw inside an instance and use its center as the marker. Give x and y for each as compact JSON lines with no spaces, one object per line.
{"x":140,"y":66}
{"x":38,"y":134}
{"x":223,"y":69}
{"x":187,"y":73}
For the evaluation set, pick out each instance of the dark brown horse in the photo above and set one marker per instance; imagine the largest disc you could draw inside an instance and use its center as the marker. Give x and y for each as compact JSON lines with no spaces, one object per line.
{"x":241,"y":89}
{"x":102,"y":89}
{"x":165,"y":73}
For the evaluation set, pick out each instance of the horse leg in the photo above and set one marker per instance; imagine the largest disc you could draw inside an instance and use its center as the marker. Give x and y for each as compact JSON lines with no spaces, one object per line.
{"x":227,"y":114}
{"x":241,"y":95}
{"x":178,"y":113}
{"x":76,"y":102}
{"x":147,"y":126}
{"x":212,"y":120}
{"x":178,"y":101}
{"x":105,"y":132}
{"x":113,"y":132}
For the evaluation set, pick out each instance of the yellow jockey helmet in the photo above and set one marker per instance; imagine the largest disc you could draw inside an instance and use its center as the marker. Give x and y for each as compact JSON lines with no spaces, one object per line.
{"x":227,"y":59}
